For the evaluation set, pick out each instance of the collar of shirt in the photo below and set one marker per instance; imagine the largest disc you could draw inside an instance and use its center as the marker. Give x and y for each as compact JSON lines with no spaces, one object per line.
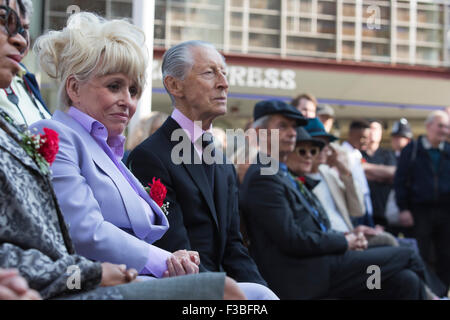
{"x":22,"y":72}
{"x":427,"y":145}
{"x":346,"y":145}
{"x":283,"y":167}
{"x":193,"y":131}
{"x":98,"y":131}
{"x":315,"y":176}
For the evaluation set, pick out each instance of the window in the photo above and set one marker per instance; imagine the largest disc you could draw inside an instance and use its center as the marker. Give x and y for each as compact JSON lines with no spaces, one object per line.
{"x":56,"y":15}
{"x":193,"y":20}
{"x":264,"y":21}
{"x":311,"y":28}
{"x":265,"y":4}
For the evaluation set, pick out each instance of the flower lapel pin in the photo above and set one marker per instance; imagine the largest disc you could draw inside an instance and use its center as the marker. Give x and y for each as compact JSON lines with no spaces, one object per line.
{"x":158,"y":192}
{"x":42,"y":148}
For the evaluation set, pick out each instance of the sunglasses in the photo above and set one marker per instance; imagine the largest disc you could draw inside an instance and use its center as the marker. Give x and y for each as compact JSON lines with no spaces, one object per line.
{"x":11,"y":21}
{"x":303,"y":151}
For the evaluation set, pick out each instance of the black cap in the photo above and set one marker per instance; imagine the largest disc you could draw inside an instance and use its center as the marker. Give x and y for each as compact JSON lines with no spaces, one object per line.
{"x":269,"y":107}
{"x":401,"y":128}
{"x":304,"y":136}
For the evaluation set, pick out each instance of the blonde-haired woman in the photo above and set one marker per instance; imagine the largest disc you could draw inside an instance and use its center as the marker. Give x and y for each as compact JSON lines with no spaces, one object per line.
{"x":101,"y":66}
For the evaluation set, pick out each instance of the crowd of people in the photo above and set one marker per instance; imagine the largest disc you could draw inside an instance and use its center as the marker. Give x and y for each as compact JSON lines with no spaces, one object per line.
{"x":166,"y":222}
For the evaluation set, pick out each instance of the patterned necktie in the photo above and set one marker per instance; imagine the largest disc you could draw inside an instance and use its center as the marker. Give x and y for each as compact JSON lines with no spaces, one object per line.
{"x":207,"y":139}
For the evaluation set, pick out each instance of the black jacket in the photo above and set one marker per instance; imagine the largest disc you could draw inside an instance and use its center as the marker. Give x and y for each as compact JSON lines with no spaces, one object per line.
{"x":199,"y":220}
{"x":417,"y":183}
{"x":286,"y":241}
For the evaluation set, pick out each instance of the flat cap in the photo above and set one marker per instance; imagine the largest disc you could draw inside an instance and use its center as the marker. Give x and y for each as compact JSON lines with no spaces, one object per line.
{"x":269,"y":107}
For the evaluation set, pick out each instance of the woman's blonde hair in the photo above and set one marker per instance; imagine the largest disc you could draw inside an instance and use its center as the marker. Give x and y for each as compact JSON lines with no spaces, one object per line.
{"x":91,"y":46}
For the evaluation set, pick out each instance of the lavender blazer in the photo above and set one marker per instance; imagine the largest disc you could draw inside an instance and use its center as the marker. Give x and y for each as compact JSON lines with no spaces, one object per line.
{"x":106,"y":218}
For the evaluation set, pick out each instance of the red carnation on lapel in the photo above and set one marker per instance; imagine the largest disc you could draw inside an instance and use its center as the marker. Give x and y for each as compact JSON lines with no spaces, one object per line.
{"x":49,"y":145}
{"x":301,"y":179}
{"x":158,"y":191}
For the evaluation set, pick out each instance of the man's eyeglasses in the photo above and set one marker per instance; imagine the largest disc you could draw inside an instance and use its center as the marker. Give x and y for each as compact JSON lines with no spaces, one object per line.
{"x":303,"y":151}
{"x":11,"y":21}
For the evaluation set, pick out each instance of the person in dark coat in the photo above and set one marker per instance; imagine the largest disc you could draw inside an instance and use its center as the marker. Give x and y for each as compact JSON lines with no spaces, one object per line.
{"x":422,"y":188}
{"x":290,"y":236}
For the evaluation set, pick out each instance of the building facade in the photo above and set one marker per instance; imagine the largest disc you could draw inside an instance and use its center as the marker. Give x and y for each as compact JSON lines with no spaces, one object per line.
{"x":393,"y":32}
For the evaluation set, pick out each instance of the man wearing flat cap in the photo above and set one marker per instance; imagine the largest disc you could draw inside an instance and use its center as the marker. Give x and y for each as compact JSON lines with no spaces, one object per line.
{"x":290,"y":236}
{"x":203,"y":197}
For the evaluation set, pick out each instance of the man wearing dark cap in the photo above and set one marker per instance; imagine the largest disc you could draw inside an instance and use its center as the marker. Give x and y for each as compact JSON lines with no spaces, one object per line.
{"x":290,"y":235}
{"x":401,"y":136}
{"x":203,"y":196}
{"x":276,"y":114}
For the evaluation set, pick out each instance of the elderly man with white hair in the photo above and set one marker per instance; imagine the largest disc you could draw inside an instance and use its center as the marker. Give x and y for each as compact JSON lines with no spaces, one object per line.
{"x":203,"y":195}
{"x":422,"y":186}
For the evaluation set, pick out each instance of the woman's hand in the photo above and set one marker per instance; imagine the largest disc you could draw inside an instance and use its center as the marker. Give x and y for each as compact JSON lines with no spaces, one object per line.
{"x":335,"y":160}
{"x":113,"y":274}
{"x":14,"y":287}
{"x":182,"y":262}
{"x":368,"y":232}
{"x":194,"y":256}
{"x":356,"y":241}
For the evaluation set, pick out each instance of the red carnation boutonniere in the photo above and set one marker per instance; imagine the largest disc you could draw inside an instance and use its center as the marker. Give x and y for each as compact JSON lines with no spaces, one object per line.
{"x":42,"y":148}
{"x":158,"y":192}
{"x":49,"y":145}
{"x":301,"y":183}
{"x":363,"y":160}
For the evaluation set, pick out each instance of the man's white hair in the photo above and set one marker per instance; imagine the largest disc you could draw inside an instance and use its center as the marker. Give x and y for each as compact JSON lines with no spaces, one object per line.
{"x":262,"y":122}
{"x":436,"y":114}
{"x":178,"y":60}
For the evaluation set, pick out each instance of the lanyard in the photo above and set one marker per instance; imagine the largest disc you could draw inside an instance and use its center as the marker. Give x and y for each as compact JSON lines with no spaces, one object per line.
{"x":14,"y":99}
{"x":31,"y":95}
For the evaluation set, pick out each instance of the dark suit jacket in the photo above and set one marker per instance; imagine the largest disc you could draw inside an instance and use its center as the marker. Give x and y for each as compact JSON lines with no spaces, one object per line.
{"x":286,"y":241}
{"x":199,"y":220}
